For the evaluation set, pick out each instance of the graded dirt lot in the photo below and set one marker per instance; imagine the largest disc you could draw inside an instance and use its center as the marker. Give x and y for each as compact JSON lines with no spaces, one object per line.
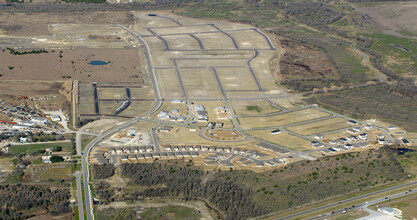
{"x":320,"y":126}
{"x":124,"y":66}
{"x":281,"y":119}
{"x":284,"y":103}
{"x":137,"y":108}
{"x":34,"y":24}
{"x":283,"y":139}
{"x":396,"y":18}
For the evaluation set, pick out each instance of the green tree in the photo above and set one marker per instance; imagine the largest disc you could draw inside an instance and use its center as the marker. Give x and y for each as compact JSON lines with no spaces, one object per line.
{"x":56,"y":159}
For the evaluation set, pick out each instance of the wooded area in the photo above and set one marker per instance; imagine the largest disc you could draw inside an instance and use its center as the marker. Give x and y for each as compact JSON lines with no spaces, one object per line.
{"x":18,"y":201}
{"x":396,"y":102}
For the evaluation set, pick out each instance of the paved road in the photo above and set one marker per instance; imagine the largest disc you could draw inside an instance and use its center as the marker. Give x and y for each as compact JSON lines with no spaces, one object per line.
{"x":348,"y":200}
{"x":365,"y":205}
{"x":78,"y":175}
{"x":86,"y":152}
{"x":74,"y":106}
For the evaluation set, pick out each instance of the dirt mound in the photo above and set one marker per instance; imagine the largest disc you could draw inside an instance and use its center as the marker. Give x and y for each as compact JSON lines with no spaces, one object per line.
{"x":301,"y":62}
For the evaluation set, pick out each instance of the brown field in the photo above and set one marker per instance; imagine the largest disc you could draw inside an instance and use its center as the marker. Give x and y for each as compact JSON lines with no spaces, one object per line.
{"x":111,"y":93}
{"x":86,"y":102}
{"x":35,"y":89}
{"x":124,"y":67}
{"x":320,"y":126}
{"x":32,"y":24}
{"x":284,"y":103}
{"x":137,"y":108}
{"x":281,"y":119}
{"x":396,"y":18}
{"x":283,"y":139}
{"x":45,"y":172}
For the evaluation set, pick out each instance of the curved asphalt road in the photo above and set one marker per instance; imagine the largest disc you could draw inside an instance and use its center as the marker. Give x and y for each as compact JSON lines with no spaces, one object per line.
{"x":86,"y":152}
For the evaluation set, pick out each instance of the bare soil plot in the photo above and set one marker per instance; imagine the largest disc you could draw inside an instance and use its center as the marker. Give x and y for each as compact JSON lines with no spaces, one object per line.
{"x":137,"y":108}
{"x":33,"y":24}
{"x":249,"y":39}
{"x":320,"y":126}
{"x":392,"y":18}
{"x":111,"y":93}
{"x":182,"y":42}
{"x":109,"y":107}
{"x":86,"y":102}
{"x":102,"y":125}
{"x":262,"y":70}
{"x":168,"y":83}
{"x":236,"y":79}
{"x":183,"y":29}
{"x":200,"y":83}
{"x":216,"y":41}
{"x":146,"y":92}
{"x":124,"y":65}
{"x":283,"y":139}
{"x":213,"y":62}
{"x":253,"y":107}
{"x":336,"y":135}
{"x":285,"y":103}
{"x":281,"y":119}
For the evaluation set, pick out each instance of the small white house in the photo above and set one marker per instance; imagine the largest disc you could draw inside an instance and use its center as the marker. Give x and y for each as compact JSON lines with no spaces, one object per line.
{"x":318,"y":137}
{"x":368,"y":127}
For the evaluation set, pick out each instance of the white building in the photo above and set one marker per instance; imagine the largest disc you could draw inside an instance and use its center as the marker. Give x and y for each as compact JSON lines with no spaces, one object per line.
{"x":39,"y":120}
{"x":387,"y":210}
{"x":163,"y":115}
{"x":55,"y":117}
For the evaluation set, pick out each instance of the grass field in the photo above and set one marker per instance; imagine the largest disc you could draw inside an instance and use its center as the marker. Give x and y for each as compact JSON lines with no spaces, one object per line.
{"x":281,"y":119}
{"x":397,"y":57}
{"x":171,"y":212}
{"x":253,"y":107}
{"x":32,"y":148}
{"x":85,"y":139}
{"x":320,"y":126}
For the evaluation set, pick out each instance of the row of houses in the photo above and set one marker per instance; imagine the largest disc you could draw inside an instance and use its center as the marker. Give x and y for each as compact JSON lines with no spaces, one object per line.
{"x":345,"y":147}
{"x":129,"y":150}
{"x":196,"y":148}
{"x":246,"y":152}
{"x":144,"y":156}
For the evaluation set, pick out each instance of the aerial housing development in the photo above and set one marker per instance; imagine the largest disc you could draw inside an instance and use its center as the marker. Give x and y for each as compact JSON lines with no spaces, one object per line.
{"x":207,"y":110}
